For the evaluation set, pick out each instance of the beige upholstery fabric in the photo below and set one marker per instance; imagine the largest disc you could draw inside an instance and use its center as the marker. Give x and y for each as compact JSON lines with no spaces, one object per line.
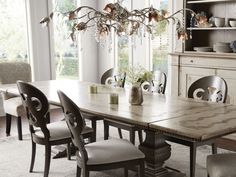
{"x":58,"y":130}
{"x":221,"y":165}
{"x":10,"y":72}
{"x":112,"y":150}
{"x":14,"y":106}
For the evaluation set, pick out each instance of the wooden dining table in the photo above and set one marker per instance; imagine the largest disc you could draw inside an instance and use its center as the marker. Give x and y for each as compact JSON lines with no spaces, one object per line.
{"x":159,"y":115}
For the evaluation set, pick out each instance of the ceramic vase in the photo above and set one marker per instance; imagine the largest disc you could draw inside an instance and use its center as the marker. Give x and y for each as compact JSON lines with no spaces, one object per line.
{"x":136,"y":95}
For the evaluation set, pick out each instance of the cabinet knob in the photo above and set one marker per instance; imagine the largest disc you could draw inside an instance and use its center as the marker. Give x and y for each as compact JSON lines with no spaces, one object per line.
{"x":191,"y":61}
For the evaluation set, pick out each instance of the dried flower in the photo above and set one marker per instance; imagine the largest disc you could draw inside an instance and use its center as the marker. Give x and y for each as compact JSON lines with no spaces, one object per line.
{"x":72,"y":15}
{"x":81,"y":26}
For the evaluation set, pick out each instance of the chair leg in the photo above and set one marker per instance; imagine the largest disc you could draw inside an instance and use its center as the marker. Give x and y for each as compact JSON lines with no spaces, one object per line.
{"x":19,"y":128}
{"x":94,"y":126}
{"x":141,"y":170}
{"x":120,"y":133}
{"x":140,"y":136}
{"x":126,"y":172}
{"x":78,"y":171}
{"x":8,"y":124}
{"x":214,"y":148}
{"x":47,"y":160}
{"x":106,"y":130}
{"x":32,"y":156}
{"x":85,"y":173}
{"x":132,"y":136}
{"x":193,"y":150}
{"x":68,"y":151}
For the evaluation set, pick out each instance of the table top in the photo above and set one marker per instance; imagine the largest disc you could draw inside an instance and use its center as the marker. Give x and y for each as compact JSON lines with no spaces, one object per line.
{"x":187,"y":118}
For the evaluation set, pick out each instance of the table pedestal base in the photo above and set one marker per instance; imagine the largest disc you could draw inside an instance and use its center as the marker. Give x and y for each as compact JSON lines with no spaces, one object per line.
{"x":156,"y":151}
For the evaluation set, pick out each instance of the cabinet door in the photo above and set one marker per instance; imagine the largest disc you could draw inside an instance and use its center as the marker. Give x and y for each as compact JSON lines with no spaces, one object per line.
{"x":190,"y":74}
{"x":230,"y":78}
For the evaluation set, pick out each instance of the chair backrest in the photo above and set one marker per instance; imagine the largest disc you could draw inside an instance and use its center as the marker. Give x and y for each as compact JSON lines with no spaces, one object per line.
{"x":157,"y":84}
{"x":112,"y":77}
{"x":36,"y":106}
{"x":10,"y":72}
{"x":209,"y":88}
{"x":75,"y":124}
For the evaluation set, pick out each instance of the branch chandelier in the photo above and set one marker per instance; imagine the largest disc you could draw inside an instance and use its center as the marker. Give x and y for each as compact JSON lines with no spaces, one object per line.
{"x":118,"y":19}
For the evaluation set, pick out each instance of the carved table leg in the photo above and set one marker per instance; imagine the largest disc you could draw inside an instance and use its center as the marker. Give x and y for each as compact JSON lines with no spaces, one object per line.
{"x":157,"y":151}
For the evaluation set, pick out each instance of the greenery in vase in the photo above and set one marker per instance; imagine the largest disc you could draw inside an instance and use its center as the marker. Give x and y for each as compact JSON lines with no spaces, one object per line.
{"x":137,"y":75}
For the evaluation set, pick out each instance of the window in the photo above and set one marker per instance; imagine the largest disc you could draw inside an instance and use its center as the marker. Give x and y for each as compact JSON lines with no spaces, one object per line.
{"x":152,"y":52}
{"x":65,"y":50}
{"x":123,"y":47}
{"x":13,"y":31}
{"x":159,"y":41}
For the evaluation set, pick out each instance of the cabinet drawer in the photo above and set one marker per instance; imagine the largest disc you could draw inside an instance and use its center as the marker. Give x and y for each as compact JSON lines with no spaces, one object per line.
{"x":208,"y":62}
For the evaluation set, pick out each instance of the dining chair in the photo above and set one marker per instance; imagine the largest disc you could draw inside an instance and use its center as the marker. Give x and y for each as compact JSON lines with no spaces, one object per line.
{"x":209,"y":88}
{"x":10,"y":72}
{"x":42,"y":132}
{"x":219,"y":165}
{"x":158,"y":85}
{"x":112,"y":78}
{"x":101,"y":155}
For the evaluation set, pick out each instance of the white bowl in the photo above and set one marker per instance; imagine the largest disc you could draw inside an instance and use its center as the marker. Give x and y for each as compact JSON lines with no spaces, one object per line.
{"x":219,"y":22}
{"x":232,"y":23}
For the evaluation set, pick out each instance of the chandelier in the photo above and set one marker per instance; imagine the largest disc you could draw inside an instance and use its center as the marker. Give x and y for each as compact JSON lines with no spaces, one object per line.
{"x":121,"y":21}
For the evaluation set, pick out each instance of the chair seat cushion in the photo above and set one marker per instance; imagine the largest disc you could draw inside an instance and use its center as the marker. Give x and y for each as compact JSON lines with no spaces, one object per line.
{"x":14,"y":106}
{"x":112,"y":151}
{"x":58,"y":130}
{"x":221,"y":165}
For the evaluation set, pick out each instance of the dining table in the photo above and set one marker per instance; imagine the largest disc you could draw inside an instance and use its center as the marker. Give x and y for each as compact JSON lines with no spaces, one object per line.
{"x":158,"y":115}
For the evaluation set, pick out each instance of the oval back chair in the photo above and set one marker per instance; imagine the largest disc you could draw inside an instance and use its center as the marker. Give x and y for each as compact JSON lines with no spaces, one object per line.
{"x":37,"y":111}
{"x":102,"y":155}
{"x":114,"y":78}
{"x":209,"y":88}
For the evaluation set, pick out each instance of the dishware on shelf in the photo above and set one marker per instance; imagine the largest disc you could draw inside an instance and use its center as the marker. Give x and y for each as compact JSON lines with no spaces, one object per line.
{"x":219,"y":22}
{"x":203,"y":49}
{"x":222,"y":47}
{"x":233,"y":46}
{"x":232,"y":22}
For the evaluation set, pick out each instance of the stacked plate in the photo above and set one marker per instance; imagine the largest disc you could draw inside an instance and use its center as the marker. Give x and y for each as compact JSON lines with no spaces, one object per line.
{"x":203,"y":49}
{"x":222,"y":47}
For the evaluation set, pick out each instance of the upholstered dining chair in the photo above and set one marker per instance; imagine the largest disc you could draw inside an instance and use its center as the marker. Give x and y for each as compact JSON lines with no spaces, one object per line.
{"x":101,"y":155}
{"x":221,"y":165}
{"x":10,"y":72}
{"x":112,"y":78}
{"x":42,"y":132}
{"x":158,"y":85}
{"x":209,"y":88}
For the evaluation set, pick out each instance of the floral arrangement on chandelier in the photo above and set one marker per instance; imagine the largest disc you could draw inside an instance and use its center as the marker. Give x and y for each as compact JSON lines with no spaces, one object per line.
{"x":117,"y":18}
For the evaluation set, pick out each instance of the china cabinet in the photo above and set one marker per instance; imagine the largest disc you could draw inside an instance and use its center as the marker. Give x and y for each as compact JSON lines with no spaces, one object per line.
{"x":189,"y":65}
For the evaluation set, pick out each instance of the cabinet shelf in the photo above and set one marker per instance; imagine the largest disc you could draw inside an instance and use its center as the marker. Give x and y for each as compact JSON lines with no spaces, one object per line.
{"x":207,"y":1}
{"x":213,"y":28}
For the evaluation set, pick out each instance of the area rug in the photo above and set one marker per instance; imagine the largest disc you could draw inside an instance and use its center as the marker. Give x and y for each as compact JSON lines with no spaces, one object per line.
{"x":15,"y":159}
